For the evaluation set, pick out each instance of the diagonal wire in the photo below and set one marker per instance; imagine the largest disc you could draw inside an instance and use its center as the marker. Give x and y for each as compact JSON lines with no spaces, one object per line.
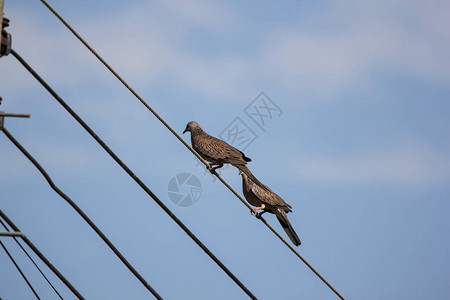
{"x":184,"y":142}
{"x":80,"y":212}
{"x":32,"y":260}
{"x":20,"y":271}
{"x":131,"y":174}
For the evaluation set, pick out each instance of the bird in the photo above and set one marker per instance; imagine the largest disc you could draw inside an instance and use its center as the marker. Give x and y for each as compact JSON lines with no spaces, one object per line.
{"x":218,"y":152}
{"x":268,"y":201}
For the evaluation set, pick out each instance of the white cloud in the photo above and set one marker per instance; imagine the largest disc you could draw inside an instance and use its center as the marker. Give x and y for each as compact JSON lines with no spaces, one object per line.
{"x":376,"y":39}
{"x":342,"y":46}
{"x":211,"y":77}
{"x":212,"y":15}
{"x":147,"y":47}
{"x":407,"y":164}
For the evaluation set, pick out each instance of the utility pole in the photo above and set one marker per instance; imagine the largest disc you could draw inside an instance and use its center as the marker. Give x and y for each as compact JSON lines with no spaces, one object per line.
{"x":5,"y":48}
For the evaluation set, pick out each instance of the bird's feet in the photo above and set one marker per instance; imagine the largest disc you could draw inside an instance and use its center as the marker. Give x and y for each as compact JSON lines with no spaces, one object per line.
{"x":213,"y":167}
{"x":255,"y":211}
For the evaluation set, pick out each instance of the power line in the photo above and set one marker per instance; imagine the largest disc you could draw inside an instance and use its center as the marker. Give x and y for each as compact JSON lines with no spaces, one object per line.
{"x":20,"y":271}
{"x":184,"y":142}
{"x":32,"y":260}
{"x":41,"y":256}
{"x":81,"y":213}
{"x":131,"y":174}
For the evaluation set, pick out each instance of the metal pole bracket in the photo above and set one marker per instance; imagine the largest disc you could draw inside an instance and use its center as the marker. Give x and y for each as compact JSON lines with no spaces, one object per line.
{"x":11,"y":233}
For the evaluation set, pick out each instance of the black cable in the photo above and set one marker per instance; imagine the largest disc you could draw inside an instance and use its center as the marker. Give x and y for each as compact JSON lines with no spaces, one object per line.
{"x":80,"y":212}
{"x":41,"y":256}
{"x":32,"y":260}
{"x":134,"y":176}
{"x":20,"y":271}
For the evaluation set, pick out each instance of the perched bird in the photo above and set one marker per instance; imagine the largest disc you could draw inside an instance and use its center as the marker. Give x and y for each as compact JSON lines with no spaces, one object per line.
{"x":218,"y":152}
{"x":268,"y":201}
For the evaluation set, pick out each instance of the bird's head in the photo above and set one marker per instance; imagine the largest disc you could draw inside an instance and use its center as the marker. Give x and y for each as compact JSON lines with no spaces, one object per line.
{"x":191,"y":126}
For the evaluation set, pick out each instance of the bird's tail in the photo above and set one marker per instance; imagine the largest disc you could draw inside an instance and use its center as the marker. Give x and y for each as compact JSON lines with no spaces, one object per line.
{"x":246,"y":170}
{"x":282,"y":218}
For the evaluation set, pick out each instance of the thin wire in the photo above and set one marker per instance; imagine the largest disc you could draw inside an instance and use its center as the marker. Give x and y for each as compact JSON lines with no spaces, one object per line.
{"x":80,"y":212}
{"x":132,"y":175}
{"x":20,"y":271}
{"x":31,"y":259}
{"x":41,"y":256}
{"x":183,"y":141}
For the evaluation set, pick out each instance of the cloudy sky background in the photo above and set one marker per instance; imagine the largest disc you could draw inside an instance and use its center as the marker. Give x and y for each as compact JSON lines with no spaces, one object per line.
{"x":361,"y":151}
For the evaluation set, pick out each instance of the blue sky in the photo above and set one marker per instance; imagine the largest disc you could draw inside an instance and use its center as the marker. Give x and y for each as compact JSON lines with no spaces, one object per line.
{"x":361,"y":150}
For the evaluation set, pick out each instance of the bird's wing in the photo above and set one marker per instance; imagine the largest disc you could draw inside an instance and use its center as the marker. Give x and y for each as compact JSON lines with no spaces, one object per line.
{"x":269,"y":197}
{"x":219,"y":150}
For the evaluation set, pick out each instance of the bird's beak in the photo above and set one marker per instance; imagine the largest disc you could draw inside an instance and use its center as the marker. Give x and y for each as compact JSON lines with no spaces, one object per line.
{"x":185,"y":130}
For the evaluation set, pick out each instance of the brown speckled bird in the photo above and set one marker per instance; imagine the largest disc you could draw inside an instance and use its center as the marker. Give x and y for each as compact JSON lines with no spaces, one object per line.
{"x":268,"y":201}
{"x":218,"y":152}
